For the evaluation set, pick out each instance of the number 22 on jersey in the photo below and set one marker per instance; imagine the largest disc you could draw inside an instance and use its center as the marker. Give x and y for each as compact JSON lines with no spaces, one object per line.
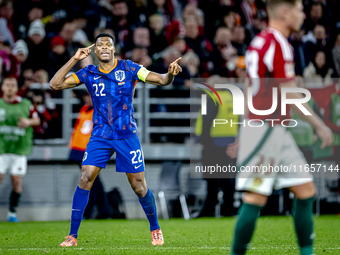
{"x":99,"y":88}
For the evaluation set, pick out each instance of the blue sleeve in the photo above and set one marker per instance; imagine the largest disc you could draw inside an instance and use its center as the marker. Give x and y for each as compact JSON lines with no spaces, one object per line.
{"x":139,"y":72}
{"x":80,"y":76}
{"x":134,"y":68}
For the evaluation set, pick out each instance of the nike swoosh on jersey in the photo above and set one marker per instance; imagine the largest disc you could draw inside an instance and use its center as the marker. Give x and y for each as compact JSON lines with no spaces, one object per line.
{"x":95,"y":78}
{"x":137,"y":166}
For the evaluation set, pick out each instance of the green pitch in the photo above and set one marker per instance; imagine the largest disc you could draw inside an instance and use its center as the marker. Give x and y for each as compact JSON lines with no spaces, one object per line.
{"x":274,"y":235}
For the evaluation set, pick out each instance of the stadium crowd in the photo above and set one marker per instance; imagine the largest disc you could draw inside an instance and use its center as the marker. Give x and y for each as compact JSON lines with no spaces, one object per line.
{"x":37,"y":37}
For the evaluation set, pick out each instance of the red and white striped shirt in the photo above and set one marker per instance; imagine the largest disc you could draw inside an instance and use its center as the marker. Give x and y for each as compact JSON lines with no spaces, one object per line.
{"x":270,"y":62}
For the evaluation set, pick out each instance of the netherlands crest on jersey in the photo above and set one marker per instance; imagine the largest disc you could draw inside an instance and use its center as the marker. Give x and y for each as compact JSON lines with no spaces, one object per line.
{"x":120,"y":75}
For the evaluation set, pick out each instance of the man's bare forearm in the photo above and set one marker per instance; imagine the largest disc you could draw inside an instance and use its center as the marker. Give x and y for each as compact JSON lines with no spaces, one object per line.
{"x":59,"y":78}
{"x":34,"y":121}
{"x":167,"y":79}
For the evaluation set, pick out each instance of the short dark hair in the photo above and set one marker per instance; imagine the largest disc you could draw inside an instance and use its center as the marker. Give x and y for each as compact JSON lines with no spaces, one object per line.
{"x":104,"y":35}
{"x":10,"y":77}
{"x":274,"y":3}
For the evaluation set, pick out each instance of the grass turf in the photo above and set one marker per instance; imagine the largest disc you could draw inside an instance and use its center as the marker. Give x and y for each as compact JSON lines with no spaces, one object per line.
{"x":274,"y":235}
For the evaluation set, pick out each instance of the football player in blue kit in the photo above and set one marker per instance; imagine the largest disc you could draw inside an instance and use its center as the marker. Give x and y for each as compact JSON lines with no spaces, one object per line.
{"x":111,"y":85}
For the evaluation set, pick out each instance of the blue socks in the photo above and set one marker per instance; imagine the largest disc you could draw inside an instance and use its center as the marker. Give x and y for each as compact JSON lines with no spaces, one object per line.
{"x":80,"y":199}
{"x":149,"y":207}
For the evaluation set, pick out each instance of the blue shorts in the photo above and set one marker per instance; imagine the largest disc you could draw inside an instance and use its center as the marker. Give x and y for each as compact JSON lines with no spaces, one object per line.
{"x":129,"y":154}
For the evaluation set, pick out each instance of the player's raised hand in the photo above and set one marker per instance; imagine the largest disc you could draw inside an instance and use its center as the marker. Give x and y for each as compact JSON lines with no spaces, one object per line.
{"x":174,"y":68}
{"x":325,"y":135}
{"x":83,"y":52}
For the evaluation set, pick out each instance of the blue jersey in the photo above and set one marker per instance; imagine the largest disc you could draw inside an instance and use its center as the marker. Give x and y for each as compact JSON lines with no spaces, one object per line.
{"x":112,"y":95}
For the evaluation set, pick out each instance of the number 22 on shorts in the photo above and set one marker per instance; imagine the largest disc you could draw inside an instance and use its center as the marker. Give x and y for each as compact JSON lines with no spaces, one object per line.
{"x":137,"y":154}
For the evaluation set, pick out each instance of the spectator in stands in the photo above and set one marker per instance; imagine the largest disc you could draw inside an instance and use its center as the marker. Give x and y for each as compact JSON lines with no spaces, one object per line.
{"x":6,"y":24}
{"x":37,"y":97}
{"x":122,"y":22}
{"x":238,"y":37}
{"x":80,"y":36}
{"x":56,"y":13}
{"x":319,"y":70}
{"x":26,"y":79}
{"x":41,"y":76}
{"x":30,"y":13}
{"x":229,"y":19}
{"x":201,"y":46}
{"x":301,"y":52}
{"x":247,"y":11}
{"x":47,"y":106}
{"x":58,"y":55}
{"x":318,"y":41}
{"x":238,"y":70}
{"x":260,"y":23}
{"x":157,"y":34}
{"x":36,"y":12}
{"x":180,"y":44}
{"x":336,"y":54}
{"x":333,"y":7}
{"x":218,"y":13}
{"x":37,"y":46}
{"x":191,"y":10}
{"x":191,"y":62}
{"x":9,"y":63}
{"x":224,"y":51}
{"x":139,"y":9}
{"x":20,"y":51}
{"x":141,"y":37}
{"x":67,"y":33}
{"x":222,"y":39}
{"x":140,"y":55}
{"x":314,"y":16}
{"x":164,"y":8}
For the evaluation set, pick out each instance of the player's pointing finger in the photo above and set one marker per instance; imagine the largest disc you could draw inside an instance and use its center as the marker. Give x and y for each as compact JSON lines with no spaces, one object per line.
{"x":176,"y":60}
{"x":90,"y":47}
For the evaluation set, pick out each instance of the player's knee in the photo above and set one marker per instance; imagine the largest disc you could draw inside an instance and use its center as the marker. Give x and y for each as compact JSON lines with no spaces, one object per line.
{"x":304,"y":191}
{"x":87,"y":176}
{"x":16,"y":184}
{"x":140,"y":189}
{"x":255,"y":199}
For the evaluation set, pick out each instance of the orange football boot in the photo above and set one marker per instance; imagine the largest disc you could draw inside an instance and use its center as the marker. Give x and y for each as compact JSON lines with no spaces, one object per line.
{"x":157,"y":237}
{"x":70,"y":241}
